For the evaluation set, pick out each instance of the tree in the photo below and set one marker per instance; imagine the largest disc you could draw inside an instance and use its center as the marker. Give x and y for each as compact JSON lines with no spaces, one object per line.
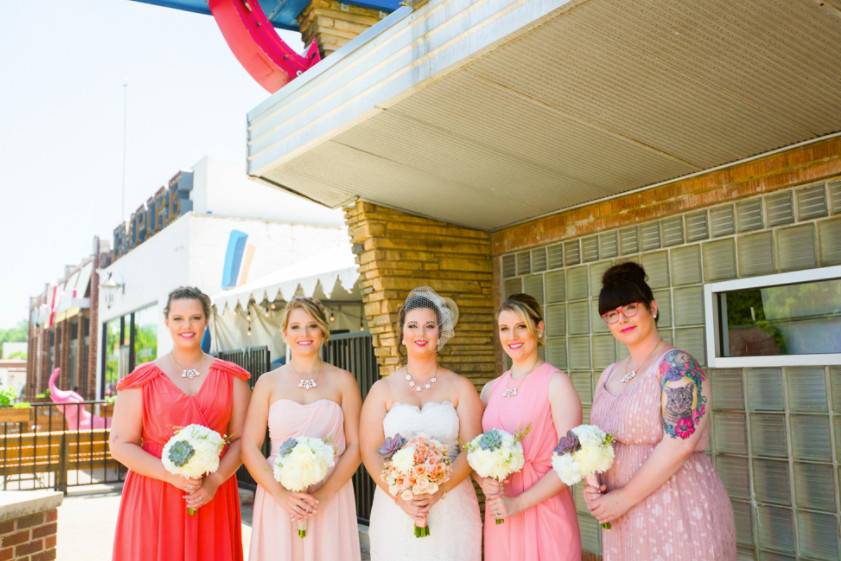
{"x":17,"y":334}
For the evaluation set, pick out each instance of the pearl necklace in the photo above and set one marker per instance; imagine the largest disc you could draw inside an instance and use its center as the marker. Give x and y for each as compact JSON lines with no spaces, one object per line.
{"x":420,"y":387}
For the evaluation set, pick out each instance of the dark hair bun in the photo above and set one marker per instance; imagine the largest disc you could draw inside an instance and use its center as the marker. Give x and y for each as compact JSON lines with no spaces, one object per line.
{"x":624,"y":273}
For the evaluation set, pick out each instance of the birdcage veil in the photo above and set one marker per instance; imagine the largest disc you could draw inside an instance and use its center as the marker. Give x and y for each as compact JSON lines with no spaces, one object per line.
{"x":446,"y":311}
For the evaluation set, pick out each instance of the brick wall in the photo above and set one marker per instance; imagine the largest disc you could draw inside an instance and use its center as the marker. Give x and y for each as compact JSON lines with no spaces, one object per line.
{"x":332,"y":24}
{"x":812,"y":162}
{"x":397,"y":252}
{"x":28,"y":526}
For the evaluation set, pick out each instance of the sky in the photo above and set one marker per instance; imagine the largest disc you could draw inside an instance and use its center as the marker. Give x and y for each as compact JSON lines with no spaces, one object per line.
{"x":63,"y":64}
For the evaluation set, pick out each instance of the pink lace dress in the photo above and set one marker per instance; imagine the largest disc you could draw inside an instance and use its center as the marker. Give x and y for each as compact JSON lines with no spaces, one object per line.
{"x":690,"y":517}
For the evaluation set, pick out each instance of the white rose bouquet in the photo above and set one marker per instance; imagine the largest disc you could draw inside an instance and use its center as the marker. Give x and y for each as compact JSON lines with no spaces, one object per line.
{"x":497,"y":454}
{"x":301,"y":462}
{"x":584,"y":452}
{"x":193,"y":452}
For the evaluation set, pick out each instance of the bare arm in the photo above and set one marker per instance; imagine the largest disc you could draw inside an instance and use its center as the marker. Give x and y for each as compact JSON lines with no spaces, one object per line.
{"x":371,"y":432}
{"x":124,"y":442}
{"x":231,"y":461}
{"x":470,"y":424}
{"x":566,"y":414}
{"x":349,"y":461}
{"x":684,"y":396}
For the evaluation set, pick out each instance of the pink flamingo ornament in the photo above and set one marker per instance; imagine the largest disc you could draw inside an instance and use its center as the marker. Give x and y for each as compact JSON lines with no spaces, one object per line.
{"x":77,"y":416}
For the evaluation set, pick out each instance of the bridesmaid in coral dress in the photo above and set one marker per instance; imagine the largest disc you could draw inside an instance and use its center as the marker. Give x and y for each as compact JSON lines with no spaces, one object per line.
{"x":662,"y":496}
{"x":305,"y":397}
{"x":540,"y":520}
{"x":186,"y":386}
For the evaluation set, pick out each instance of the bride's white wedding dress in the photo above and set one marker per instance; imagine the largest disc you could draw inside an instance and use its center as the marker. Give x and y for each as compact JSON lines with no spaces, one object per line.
{"x":454,"y":524}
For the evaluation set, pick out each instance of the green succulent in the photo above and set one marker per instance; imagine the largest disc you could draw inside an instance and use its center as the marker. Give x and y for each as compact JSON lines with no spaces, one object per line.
{"x":181,"y":452}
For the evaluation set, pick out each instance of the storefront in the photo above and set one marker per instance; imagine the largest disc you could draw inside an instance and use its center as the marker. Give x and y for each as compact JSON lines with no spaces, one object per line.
{"x":549,"y":140}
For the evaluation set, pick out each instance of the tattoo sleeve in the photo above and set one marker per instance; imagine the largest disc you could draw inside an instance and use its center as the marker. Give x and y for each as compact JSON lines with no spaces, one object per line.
{"x":682,"y":402}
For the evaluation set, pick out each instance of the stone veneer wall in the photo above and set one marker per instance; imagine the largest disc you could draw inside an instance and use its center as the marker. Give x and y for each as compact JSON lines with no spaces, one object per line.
{"x":332,"y":23}
{"x":397,"y":252}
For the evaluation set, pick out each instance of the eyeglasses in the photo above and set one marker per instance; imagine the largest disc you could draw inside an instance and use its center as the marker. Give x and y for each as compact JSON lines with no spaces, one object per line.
{"x":628,"y":310}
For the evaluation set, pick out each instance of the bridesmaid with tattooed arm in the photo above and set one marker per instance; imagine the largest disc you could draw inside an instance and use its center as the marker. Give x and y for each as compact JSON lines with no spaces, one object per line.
{"x":662,"y":495}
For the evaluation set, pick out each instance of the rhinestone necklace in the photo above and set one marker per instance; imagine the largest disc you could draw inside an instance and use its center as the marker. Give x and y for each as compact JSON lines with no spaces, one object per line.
{"x":420,"y":387}
{"x":631,"y":374}
{"x":307,"y":383}
{"x":188,"y":373}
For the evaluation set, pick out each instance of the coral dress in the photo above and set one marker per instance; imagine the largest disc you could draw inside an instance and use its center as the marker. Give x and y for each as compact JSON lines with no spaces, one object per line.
{"x":332,"y":534}
{"x":548,"y":531}
{"x":153,"y":524}
{"x":689,"y":518}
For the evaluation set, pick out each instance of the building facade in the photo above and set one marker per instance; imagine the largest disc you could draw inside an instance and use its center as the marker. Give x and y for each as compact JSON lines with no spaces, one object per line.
{"x":486,"y":148}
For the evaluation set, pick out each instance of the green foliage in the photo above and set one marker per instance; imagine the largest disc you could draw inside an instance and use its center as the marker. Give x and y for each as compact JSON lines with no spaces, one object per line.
{"x":8,"y":396}
{"x":22,"y":405}
{"x":17,"y":334}
{"x":181,"y":452}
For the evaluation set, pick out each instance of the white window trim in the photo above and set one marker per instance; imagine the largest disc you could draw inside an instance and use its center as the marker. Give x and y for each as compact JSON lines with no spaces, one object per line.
{"x":712,"y":331}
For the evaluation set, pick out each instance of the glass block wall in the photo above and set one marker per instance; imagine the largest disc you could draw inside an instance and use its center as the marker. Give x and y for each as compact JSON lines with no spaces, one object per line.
{"x":775,"y":432}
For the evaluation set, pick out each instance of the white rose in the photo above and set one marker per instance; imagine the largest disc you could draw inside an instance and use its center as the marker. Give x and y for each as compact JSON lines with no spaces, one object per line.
{"x":566,"y":469}
{"x":404,"y":459}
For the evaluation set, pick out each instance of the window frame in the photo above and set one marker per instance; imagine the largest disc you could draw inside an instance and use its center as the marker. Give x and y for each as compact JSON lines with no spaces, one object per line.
{"x":713,"y":326}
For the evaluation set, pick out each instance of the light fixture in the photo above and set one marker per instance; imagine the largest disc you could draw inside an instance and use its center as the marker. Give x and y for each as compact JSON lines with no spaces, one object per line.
{"x":112,"y":283}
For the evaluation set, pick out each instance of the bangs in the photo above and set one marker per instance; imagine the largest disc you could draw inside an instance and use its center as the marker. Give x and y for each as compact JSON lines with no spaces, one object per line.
{"x":621,"y":294}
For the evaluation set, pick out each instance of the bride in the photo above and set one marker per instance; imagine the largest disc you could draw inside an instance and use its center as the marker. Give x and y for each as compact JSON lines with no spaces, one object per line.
{"x":424,"y":398}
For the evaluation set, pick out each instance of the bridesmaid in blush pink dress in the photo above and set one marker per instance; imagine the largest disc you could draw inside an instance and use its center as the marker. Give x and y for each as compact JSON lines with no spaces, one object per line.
{"x":540,"y":520}
{"x":305,"y":397}
{"x":662,"y":496}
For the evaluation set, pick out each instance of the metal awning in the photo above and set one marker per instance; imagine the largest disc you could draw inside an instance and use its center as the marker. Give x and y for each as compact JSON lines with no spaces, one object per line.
{"x":329,"y":274}
{"x":487,"y":113}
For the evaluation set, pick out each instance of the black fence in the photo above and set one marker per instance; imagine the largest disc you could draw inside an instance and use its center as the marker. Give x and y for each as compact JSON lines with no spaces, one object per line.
{"x":353,"y":352}
{"x":257,"y":361}
{"x":56,"y":446}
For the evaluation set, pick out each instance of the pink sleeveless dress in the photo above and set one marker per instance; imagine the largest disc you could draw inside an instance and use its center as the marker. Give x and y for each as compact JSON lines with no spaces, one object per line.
{"x":547,"y":531}
{"x":333,"y":532}
{"x":690,"y":517}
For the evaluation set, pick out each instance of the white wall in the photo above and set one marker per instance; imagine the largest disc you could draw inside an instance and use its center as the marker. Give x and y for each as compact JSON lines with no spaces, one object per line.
{"x":223,"y":188}
{"x":191,"y":252}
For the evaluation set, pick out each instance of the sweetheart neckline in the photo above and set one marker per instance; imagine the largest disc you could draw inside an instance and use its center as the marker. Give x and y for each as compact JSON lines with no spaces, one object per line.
{"x":298,"y":403}
{"x":422,"y":407}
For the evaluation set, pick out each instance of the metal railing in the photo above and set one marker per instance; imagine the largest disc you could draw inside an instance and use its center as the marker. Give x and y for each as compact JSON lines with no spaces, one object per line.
{"x":58,"y":446}
{"x":257,"y":361}
{"x":354,"y":352}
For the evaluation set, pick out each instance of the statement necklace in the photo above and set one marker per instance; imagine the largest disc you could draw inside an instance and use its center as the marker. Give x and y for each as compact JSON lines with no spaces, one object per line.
{"x":307,"y":383}
{"x":631,"y":374}
{"x":420,"y":387}
{"x":188,"y":373}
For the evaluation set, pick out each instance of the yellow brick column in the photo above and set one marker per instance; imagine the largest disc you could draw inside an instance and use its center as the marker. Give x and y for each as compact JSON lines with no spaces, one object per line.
{"x":332,"y":23}
{"x":397,"y":252}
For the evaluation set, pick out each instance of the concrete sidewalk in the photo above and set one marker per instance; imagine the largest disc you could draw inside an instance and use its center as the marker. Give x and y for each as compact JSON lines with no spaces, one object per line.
{"x":88,"y":516}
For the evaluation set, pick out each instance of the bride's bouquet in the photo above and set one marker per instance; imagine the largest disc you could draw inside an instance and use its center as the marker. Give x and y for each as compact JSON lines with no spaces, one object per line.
{"x":496,"y":454}
{"x":415,"y":467}
{"x":583,"y":453}
{"x":192,"y":452}
{"x":301,"y":462}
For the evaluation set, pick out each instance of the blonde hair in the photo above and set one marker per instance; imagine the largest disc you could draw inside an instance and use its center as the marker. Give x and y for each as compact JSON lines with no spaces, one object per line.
{"x":528,"y":308}
{"x":311,"y":306}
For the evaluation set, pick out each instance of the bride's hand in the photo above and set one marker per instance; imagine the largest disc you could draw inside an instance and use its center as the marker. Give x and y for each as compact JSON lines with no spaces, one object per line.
{"x":425,"y":502}
{"x":409,"y":508}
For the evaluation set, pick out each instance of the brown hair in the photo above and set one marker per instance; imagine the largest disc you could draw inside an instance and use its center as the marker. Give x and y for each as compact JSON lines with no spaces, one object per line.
{"x":189,"y":293}
{"x":622,"y":284}
{"x":311,"y":306}
{"x":528,"y":308}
